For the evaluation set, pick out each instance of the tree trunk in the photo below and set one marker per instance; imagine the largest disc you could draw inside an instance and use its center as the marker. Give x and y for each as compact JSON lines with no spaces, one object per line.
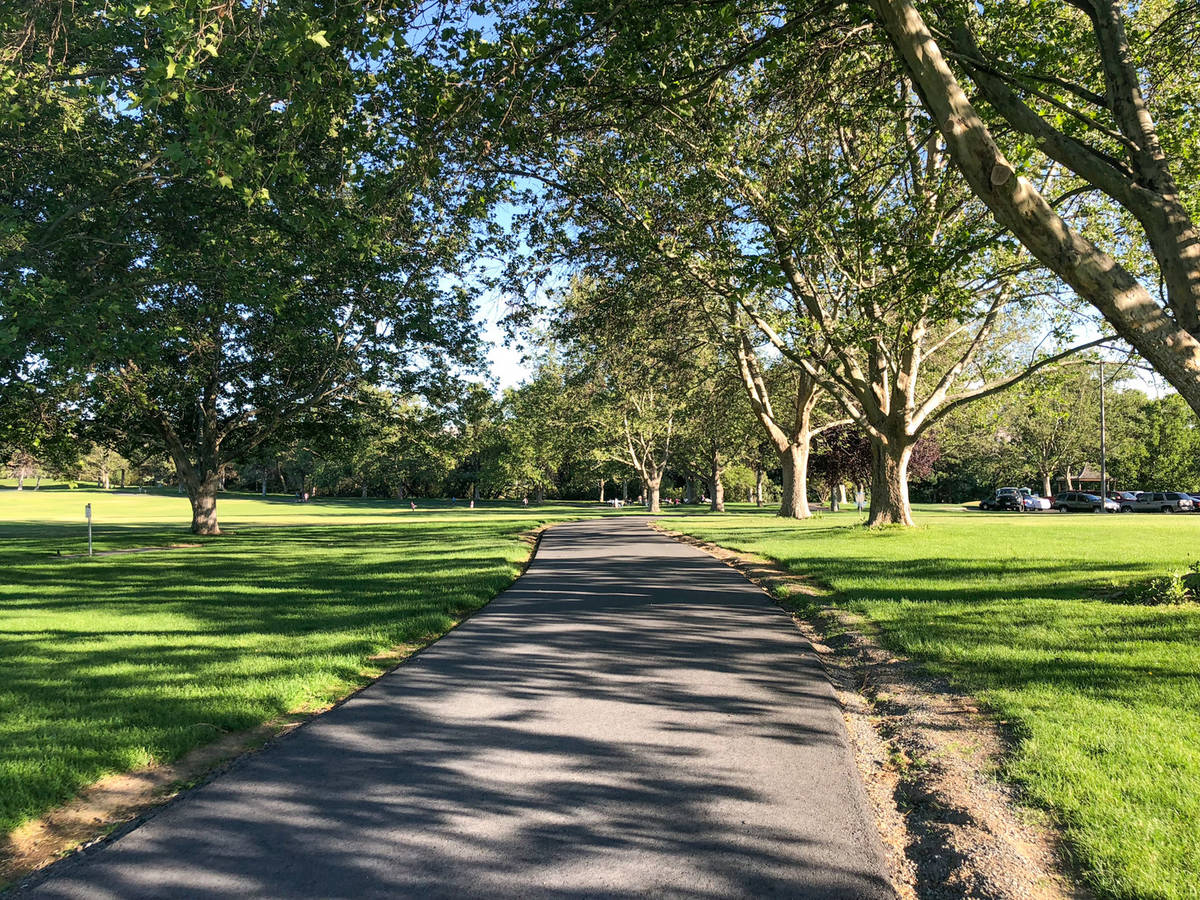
{"x":1046,"y":489}
{"x":122,"y":479}
{"x":652,"y":494}
{"x":364,"y":491}
{"x":37,"y":484}
{"x":203,"y":495}
{"x":794,"y":461}
{"x":718,"y":489}
{"x":624,"y":490}
{"x":539,"y":494}
{"x":889,"y":483}
{"x":20,"y":481}
{"x":602,"y":483}
{"x":760,"y":475}
{"x":1070,"y":480}
{"x":717,"y":501}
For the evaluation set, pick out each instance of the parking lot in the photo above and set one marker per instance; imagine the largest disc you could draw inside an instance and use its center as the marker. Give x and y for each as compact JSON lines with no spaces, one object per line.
{"x":1024,"y":500}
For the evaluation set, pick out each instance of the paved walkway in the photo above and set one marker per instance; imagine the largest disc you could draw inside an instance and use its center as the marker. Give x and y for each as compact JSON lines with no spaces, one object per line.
{"x":631,"y":719}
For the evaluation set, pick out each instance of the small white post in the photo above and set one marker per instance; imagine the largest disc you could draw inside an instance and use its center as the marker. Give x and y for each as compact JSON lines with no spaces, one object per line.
{"x":87,"y":510}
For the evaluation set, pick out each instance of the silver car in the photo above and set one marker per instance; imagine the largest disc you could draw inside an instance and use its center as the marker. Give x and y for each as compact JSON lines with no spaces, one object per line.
{"x":1163,"y":501}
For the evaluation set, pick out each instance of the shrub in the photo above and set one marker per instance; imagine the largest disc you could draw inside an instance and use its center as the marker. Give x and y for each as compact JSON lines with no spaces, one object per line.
{"x":1168,"y":590}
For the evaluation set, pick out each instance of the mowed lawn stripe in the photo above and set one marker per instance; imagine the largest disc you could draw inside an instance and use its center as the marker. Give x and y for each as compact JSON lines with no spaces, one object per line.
{"x":1104,"y":697}
{"x":112,"y":663}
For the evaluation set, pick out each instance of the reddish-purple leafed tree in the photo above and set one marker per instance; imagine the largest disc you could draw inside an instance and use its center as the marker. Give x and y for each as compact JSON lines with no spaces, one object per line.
{"x":843,"y":453}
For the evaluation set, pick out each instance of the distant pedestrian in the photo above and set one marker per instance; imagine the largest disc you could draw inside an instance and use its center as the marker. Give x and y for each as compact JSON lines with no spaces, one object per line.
{"x":472,"y":503}
{"x":525,"y":501}
{"x":860,"y":499}
{"x":413,"y":504}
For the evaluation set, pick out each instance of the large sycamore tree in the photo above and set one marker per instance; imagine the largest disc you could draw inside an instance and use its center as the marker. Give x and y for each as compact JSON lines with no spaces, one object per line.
{"x":219,"y":217}
{"x":1046,"y":104}
{"x":897,"y":294}
{"x":812,"y":195}
{"x":639,"y":367}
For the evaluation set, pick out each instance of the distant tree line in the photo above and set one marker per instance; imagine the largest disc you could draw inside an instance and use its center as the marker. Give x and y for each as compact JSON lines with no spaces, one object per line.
{"x":573,"y":431}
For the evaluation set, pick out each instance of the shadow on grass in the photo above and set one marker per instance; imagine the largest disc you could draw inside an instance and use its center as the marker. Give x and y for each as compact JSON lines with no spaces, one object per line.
{"x":107,"y":663}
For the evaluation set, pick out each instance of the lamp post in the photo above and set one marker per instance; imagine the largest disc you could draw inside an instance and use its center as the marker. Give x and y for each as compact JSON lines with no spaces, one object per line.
{"x":1103,"y":449}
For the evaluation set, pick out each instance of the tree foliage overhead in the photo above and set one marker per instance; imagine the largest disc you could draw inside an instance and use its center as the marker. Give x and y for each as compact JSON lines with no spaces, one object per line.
{"x":221,"y":216}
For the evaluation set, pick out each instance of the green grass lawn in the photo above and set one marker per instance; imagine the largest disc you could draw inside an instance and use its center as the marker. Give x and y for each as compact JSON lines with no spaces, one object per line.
{"x":114,"y":662}
{"x":1105,"y":697}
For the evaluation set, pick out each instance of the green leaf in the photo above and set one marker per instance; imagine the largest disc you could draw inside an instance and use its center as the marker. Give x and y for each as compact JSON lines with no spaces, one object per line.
{"x":318,"y":38}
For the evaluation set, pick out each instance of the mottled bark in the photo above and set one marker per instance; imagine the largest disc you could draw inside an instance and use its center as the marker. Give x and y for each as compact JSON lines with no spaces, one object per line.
{"x":889,"y":483}
{"x":716,"y":468}
{"x":1165,"y":337}
{"x":653,"y":488}
{"x":794,"y":462}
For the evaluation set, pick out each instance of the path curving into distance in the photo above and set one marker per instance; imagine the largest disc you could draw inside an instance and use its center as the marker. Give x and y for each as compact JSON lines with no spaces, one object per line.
{"x":632,"y":718}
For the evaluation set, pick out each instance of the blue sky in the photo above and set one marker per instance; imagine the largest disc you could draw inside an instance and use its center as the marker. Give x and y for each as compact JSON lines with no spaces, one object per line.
{"x":503,"y":361}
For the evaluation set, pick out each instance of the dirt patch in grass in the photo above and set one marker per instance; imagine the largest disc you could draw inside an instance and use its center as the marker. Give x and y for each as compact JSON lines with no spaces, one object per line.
{"x":928,"y":757}
{"x":118,"y":799}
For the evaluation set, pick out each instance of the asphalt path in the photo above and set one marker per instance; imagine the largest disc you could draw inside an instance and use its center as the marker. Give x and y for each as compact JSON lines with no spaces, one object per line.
{"x":632,"y":718}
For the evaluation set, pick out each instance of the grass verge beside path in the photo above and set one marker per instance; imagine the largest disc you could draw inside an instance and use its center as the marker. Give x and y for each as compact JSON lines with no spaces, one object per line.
{"x":1104,"y":698}
{"x":116,"y":662}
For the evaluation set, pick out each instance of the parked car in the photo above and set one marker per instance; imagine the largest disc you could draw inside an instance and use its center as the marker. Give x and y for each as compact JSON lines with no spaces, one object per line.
{"x":1163,"y":501}
{"x":1032,"y":502}
{"x":1124,"y":499}
{"x":1016,"y":499}
{"x":1079,"y":501}
{"x":1004,"y":499}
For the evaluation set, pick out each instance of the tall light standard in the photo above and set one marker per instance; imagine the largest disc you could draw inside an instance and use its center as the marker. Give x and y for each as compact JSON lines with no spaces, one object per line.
{"x":1103,"y":453}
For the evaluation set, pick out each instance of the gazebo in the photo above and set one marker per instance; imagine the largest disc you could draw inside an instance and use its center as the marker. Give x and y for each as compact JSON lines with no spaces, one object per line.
{"x":1088,"y":480}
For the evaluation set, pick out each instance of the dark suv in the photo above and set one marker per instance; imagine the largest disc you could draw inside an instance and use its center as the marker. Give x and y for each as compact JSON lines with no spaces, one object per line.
{"x":1079,"y":501}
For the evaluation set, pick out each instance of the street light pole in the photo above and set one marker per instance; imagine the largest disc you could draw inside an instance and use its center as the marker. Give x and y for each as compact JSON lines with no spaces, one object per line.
{"x":1103,"y":449}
